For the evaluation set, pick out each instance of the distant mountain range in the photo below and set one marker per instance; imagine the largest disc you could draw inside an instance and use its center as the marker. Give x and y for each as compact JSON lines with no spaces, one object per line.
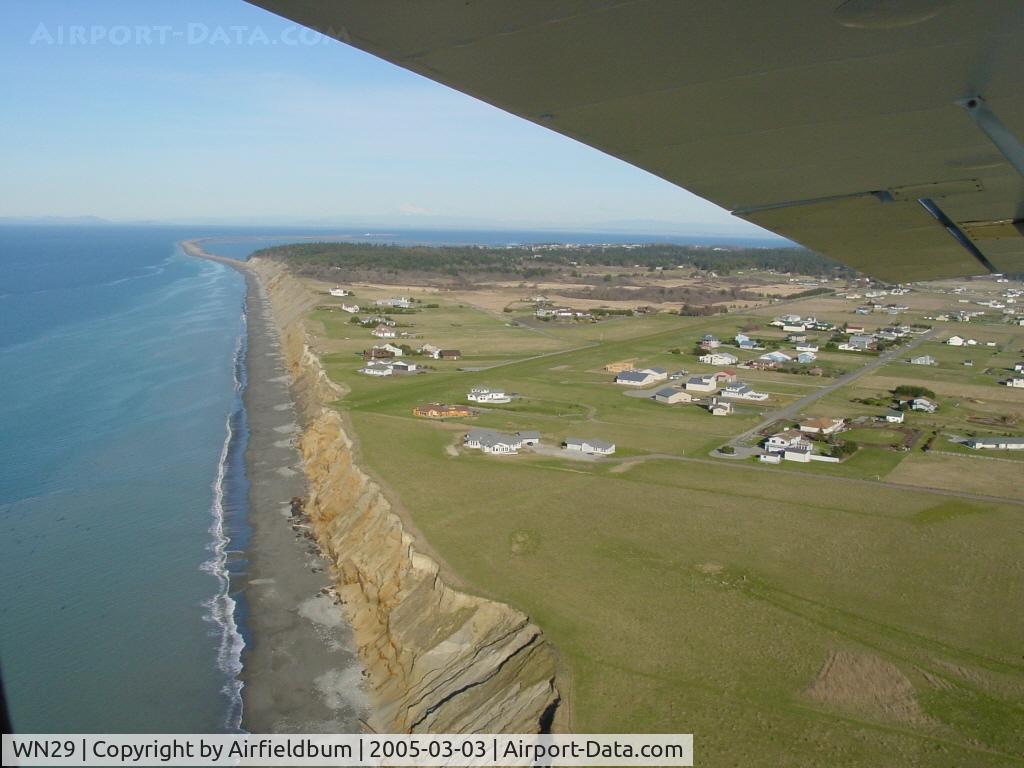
{"x":648,"y":227}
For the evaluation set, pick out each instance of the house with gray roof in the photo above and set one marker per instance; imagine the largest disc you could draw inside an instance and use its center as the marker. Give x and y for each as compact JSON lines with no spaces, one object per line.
{"x":589,"y":445}
{"x":672,"y":395}
{"x":492,"y":441}
{"x":997,"y":443}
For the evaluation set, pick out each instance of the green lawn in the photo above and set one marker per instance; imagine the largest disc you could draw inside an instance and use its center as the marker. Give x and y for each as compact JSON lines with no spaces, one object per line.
{"x":692,"y":595}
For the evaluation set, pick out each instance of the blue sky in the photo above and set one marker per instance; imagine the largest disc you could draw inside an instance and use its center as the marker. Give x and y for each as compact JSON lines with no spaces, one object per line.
{"x":193,"y":111}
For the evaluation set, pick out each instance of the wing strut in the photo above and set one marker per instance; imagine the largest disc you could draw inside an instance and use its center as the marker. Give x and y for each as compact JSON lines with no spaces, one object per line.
{"x":993,"y":127}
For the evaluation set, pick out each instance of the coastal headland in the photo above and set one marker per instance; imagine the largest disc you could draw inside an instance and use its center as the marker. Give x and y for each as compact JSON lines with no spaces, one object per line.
{"x":430,"y":658}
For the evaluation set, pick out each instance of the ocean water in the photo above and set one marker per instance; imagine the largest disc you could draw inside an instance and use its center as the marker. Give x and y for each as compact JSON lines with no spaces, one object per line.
{"x":122,"y":480}
{"x":121,"y":433}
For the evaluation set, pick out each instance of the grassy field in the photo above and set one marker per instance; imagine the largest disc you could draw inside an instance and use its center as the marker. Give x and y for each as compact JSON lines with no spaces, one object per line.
{"x":784,"y":616}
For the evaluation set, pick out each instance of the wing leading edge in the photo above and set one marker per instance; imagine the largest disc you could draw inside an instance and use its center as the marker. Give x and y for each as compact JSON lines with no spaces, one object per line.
{"x":840,"y":125}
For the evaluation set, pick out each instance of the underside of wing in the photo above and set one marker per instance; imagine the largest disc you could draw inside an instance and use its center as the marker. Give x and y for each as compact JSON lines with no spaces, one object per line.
{"x":842,"y":125}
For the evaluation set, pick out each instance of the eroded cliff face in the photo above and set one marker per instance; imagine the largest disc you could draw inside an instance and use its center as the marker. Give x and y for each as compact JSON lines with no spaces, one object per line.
{"x":437,"y":660}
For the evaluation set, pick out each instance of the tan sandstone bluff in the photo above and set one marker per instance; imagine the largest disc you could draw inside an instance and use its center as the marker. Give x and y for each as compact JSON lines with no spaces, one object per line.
{"x":437,"y":660}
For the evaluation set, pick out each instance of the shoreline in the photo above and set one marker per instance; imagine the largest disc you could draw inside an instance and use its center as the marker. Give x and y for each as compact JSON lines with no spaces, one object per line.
{"x":434,"y":659}
{"x":299,"y":670}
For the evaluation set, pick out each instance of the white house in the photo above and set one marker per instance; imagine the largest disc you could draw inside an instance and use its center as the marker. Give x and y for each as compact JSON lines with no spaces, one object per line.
{"x":923,"y":360}
{"x":893,"y":416}
{"x":786,"y":439}
{"x":740,"y":391}
{"x":404,"y":366}
{"x":529,"y":438}
{"x":861,"y":342}
{"x":350,"y":308}
{"x":401,"y":302}
{"x":672,"y":395}
{"x":487,"y":395}
{"x":1019,"y":367}
{"x":801,"y":453}
{"x":1016,"y":382}
{"x":376,"y":369}
{"x":702,"y":384}
{"x":923,"y":404}
{"x":385,"y":332}
{"x":592,"y":446}
{"x":806,"y":357}
{"x":720,"y":408}
{"x":956,"y":341}
{"x":998,"y":443}
{"x":718,"y":358}
{"x":821,"y":426}
{"x":339,"y":292}
{"x":776,"y":357}
{"x":492,"y":441}
{"x":394,"y":349}
{"x":806,"y":347}
{"x":635,"y":378}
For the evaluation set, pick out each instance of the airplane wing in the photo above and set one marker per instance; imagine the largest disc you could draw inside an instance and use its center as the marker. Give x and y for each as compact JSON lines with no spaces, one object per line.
{"x":883,"y":133}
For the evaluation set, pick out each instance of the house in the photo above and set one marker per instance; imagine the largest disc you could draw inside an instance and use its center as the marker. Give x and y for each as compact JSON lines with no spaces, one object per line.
{"x":806,"y":357}
{"x":854,"y":329}
{"x":376,"y":369}
{"x":997,"y":443}
{"x":956,"y":341}
{"x":429,"y":349}
{"x":801,"y":453}
{"x":339,"y":292}
{"x":394,"y":349}
{"x":635,"y":378}
{"x":592,"y":446}
{"x":923,"y":404}
{"x":401,"y":302}
{"x":404,"y":366}
{"x":384,"y":332}
{"x":701,"y":384}
{"x":350,"y":308}
{"x":659,"y":374}
{"x":709,"y":342}
{"x":794,"y":326}
{"x":861,"y":342}
{"x":894,"y":416}
{"x":718,"y":358}
{"x":724,"y":376}
{"x":529,"y":438}
{"x":491,"y":441}
{"x":786,"y":439}
{"x":821,"y":426}
{"x":720,"y":407}
{"x":923,"y":360}
{"x":672,"y":395}
{"x":1016,"y":381}
{"x":776,"y":357}
{"x":447,"y":354}
{"x":740,"y":391}
{"x":750,"y":345}
{"x":487,"y":395}
{"x":441,"y":411}
{"x":377,"y":353}
{"x":806,"y":347}
{"x":1019,"y":367}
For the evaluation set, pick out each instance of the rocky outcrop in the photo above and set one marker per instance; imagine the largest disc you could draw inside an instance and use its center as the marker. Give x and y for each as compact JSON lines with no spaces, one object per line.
{"x":437,"y":660}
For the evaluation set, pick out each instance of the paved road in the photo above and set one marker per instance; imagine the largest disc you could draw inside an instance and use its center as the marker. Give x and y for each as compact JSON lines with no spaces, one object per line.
{"x":797,"y":406}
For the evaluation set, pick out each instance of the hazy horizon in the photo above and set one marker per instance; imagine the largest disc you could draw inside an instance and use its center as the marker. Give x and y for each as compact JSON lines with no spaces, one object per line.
{"x":225,"y":113}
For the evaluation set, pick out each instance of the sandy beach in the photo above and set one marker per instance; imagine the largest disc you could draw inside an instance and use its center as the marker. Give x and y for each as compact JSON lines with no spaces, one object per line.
{"x":300,"y":672}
